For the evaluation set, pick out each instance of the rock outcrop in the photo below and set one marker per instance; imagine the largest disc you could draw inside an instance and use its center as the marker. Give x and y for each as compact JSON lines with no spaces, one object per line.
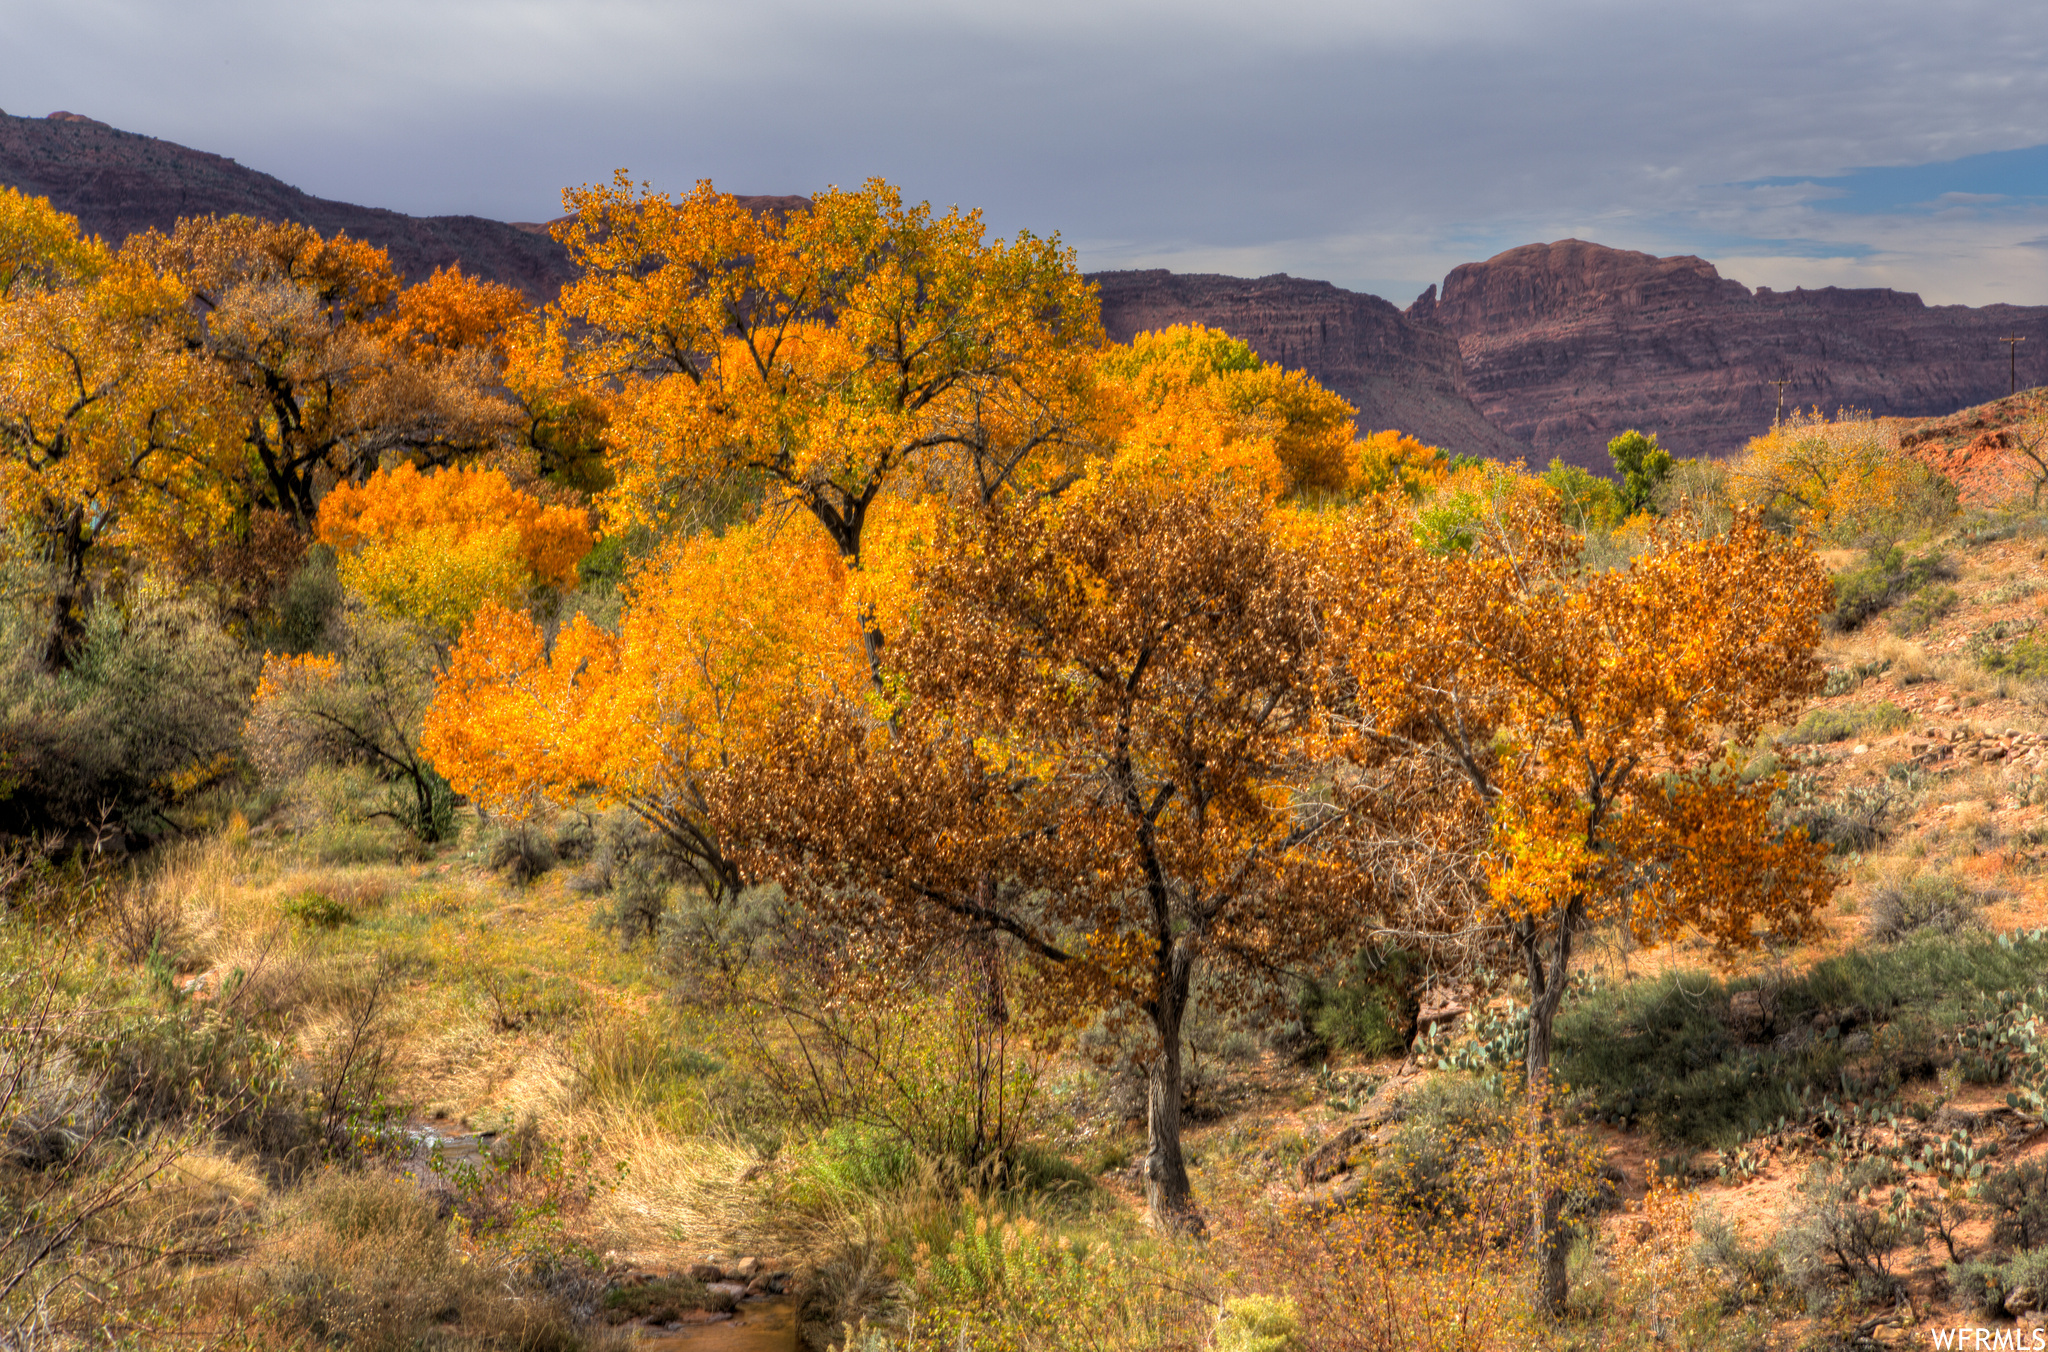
{"x":1566,"y":344}
{"x":1398,"y":373}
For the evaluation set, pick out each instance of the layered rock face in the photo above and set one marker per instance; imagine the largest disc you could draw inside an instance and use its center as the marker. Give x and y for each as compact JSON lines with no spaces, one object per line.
{"x":119,"y":183}
{"x":1397,"y":372}
{"x":1566,"y":344}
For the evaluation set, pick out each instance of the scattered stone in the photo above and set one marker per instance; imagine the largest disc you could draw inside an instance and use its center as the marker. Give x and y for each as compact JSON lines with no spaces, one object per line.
{"x":705,"y":1272}
{"x":745,"y":1270}
{"x":1749,"y":1015}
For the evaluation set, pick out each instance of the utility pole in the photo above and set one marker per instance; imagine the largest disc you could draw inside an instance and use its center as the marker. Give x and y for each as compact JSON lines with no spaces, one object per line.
{"x":2012,"y":367}
{"x":1781,"y":384}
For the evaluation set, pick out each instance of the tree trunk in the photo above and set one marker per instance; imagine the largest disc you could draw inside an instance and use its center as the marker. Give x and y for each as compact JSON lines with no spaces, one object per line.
{"x":1168,"y":1197}
{"x":71,"y":597}
{"x":1547,"y":977}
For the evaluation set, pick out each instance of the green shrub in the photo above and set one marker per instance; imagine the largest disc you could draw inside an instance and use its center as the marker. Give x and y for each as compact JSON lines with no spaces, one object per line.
{"x":1370,"y":1006}
{"x":1842,"y":1232}
{"x":318,"y":911}
{"x":1885,"y":577}
{"x":2025,"y":657}
{"x":1839,"y":725}
{"x":1852,"y":820}
{"x":1660,"y":1053}
{"x":1424,"y":1167}
{"x":150,"y":710}
{"x":1919,"y":611}
{"x":1930,"y":901}
{"x":2017,"y":1197}
{"x":523,"y":850}
{"x":1986,"y":1282}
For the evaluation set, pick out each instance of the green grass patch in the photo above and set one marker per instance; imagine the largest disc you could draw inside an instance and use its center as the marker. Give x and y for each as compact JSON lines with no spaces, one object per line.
{"x":317,"y":910}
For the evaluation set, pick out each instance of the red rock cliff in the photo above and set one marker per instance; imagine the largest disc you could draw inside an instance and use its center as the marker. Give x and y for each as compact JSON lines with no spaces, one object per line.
{"x":1566,"y":344}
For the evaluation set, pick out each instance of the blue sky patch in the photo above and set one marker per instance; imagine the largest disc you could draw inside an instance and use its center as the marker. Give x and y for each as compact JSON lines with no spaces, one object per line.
{"x":2001,"y":178}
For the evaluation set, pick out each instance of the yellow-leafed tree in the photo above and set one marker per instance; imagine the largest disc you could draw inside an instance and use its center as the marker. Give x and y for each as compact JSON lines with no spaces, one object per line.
{"x":434,"y":548}
{"x":112,"y":431}
{"x":1281,"y":426}
{"x":715,"y":635}
{"x":825,"y":356}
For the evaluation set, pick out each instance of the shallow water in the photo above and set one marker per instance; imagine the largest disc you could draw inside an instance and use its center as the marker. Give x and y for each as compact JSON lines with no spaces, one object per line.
{"x":761,"y":1326}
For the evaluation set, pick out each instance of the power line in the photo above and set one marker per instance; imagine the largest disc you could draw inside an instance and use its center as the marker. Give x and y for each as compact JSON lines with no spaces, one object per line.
{"x":2012,"y":368}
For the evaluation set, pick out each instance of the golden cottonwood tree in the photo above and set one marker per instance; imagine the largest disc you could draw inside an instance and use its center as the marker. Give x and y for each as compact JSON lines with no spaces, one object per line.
{"x":822,"y":356}
{"x":1189,"y":369}
{"x":40,"y":247}
{"x":1112,"y":711}
{"x":434,"y":548}
{"x":110,"y":429}
{"x":716,"y":634}
{"x":1588,"y":713}
{"x":1393,"y":461}
{"x":1838,"y":479}
{"x":329,"y":375}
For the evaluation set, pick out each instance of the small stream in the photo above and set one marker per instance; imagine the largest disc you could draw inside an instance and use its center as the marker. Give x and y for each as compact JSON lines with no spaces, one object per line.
{"x":758,"y":1326}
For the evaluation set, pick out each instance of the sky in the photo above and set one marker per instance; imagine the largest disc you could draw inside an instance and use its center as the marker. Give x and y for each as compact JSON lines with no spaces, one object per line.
{"x":1376,"y":145}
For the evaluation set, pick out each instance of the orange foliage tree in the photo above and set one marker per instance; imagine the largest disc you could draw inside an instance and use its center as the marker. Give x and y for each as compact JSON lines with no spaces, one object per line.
{"x":436,"y":547}
{"x":716,"y":634}
{"x":1393,"y":461}
{"x":1588,"y":713}
{"x":1110,"y":713}
{"x":1305,"y":429}
{"x":1837,"y":479}
{"x":328,"y":373}
{"x":825,"y":355}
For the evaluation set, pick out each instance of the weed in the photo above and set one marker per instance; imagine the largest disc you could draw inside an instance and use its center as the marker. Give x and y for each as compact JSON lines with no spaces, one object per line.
{"x":1930,"y":901}
{"x":317,"y":910}
{"x":1839,"y":725}
{"x":1920,"y":611}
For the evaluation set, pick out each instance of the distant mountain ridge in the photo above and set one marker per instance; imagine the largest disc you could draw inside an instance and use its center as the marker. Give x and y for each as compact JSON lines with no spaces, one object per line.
{"x":1565,"y":344}
{"x":1545,"y":350}
{"x":119,"y":183}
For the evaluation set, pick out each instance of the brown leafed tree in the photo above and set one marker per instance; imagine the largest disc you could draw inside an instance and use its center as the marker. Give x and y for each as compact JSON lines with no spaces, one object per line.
{"x":1107,"y":754}
{"x":1589,"y":714}
{"x":333,"y":373}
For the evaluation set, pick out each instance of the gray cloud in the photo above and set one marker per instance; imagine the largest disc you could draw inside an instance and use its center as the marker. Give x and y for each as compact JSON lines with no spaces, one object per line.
{"x":1375,"y":144}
